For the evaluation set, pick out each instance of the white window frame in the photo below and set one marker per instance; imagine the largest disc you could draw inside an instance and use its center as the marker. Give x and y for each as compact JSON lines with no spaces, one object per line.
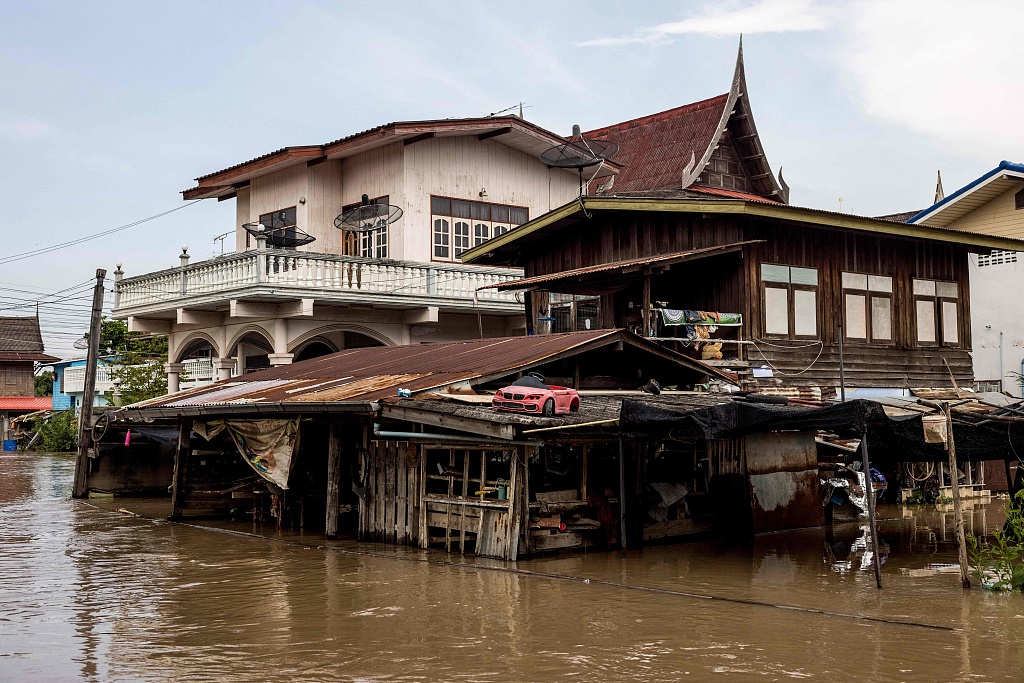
{"x":796,"y":282}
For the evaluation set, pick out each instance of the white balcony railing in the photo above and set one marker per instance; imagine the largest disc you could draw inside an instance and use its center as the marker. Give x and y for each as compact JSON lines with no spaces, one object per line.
{"x":73,"y":379}
{"x":325,"y":274}
{"x":197,"y":372}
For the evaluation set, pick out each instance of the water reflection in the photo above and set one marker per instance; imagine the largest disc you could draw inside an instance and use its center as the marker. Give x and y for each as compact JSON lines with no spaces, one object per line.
{"x":95,"y":595}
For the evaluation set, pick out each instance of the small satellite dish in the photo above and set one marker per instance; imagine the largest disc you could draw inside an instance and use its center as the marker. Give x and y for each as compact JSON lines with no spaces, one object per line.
{"x":578,"y":152}
{"x":281,"y":237}
{"x":367,"y":216}
{"x":81,"y":344}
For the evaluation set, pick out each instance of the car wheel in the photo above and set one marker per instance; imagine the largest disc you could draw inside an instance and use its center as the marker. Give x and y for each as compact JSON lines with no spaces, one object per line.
{"x":549,"y":407}
{"x":574,"y":407}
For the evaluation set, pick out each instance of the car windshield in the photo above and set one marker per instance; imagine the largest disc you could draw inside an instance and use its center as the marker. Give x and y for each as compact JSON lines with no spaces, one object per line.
{"x":530,"y":382}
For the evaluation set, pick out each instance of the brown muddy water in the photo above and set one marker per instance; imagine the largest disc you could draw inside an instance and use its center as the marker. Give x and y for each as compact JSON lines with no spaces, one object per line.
{"x":92,"y":594}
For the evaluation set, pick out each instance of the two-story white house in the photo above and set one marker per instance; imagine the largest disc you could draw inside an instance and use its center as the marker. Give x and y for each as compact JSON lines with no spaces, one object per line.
{"x":458,"y":182}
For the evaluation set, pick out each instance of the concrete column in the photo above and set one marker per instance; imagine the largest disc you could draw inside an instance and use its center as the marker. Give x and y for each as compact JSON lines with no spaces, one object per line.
{"x":280,"y":336}
{"x":173,"y":371}
{"x":280,"y":359}
{"x":223,"y":367}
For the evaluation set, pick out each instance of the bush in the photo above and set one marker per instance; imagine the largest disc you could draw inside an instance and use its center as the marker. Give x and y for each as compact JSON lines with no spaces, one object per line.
{"x":59,"y":433}
{"x":999,"y":563}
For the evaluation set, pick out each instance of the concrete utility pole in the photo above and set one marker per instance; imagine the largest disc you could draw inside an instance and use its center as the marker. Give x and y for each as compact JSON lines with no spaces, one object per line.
{"x":92,"y":359}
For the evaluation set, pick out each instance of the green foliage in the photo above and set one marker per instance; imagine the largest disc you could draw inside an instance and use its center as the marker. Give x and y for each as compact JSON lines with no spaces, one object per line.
{"x":140,"y":362}
{"x":999,"y":563}
{"x":44,"y":383}
{"x":1017,"y":377}
{"x":59,"y":433}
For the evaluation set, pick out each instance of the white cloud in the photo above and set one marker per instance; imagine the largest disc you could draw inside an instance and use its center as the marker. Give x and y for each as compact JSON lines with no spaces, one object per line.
{"x":25,"y":129}
{"x":766,"y":16}
{"x":944,"y":68}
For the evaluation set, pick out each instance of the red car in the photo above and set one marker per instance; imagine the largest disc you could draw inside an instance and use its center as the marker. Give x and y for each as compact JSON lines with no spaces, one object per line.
{"x":531,"y":395}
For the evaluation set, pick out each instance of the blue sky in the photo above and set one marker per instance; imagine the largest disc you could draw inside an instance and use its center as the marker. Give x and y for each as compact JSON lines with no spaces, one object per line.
{"x":109,"y":110}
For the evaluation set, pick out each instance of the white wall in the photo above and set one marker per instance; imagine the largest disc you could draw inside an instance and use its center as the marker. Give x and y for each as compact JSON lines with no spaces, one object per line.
{"x":997,"y":306}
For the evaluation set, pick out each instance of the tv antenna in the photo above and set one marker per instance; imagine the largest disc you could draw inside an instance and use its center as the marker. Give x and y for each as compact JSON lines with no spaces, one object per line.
{"x":220,"y":238}
{"x":368,"y":216}
{"x":578,"y":152}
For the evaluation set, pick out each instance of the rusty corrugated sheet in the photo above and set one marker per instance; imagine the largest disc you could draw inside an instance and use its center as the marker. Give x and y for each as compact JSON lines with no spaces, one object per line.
{"x":374,"y":373}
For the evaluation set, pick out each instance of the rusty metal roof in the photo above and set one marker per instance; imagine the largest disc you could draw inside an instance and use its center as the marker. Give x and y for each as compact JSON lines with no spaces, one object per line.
{"x":631,"y":264}
{"x":365,"y":375}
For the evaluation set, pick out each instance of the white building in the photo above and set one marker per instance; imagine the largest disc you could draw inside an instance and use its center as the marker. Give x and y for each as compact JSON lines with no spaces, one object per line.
{"x":458,"y":182}
{"x":992,"y":205}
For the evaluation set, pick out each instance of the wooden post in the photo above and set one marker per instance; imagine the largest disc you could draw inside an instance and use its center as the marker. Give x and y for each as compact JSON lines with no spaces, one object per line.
{"x":181,"y":457}
{"x":583,"y":475}
{"x":958,"y":513}
{"x":869,"y":494}
{"x":622,"y":496}
{"x":80,"y":486}
{"x":646,"y":304}
{"x":333,"y":480}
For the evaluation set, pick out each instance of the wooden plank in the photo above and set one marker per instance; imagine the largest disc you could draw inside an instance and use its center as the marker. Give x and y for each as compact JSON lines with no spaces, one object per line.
{"x":401,"y":494}
{"x":412,"y":496}
{"x":371,"y":491}
{"x":491,"y":536}
{"x":448,"y":507}
{"x":465,"y":494}
{"x":333,"y":479}
{"x":463,"y":424}
{"x":524,"y":525}
{"x":515,"y":507}
{"x":181,"y":461}
{"x":421,"y":500}
{"x":379,"y":457}
{"x":469,"y":502}
{"x":389,"y":492}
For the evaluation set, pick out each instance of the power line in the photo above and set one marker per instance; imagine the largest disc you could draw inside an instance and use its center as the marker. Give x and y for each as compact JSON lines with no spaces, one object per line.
{"x":80,"y":240}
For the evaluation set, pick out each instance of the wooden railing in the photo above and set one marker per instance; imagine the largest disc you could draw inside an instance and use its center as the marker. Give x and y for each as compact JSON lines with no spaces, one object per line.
{"x":315,"y":274}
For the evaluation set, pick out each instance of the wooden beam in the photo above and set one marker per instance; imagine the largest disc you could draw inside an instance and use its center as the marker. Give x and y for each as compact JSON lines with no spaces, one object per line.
{"x":317,"y":161}
{"x":239,"y":186}
{"x":646,"y":303}
{"x":462,"y":424}
{"x":224,"y":198}
{"x":181,"y":457}
{"x":417,"y":138}
{"x":494,"y":133}
{"x":333,"y":480}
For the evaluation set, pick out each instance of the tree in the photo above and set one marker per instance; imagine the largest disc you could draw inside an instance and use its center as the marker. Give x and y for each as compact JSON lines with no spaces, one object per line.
{"x":59,"y":433}
{"x":139,"y":369}
{"x":44,"y":383}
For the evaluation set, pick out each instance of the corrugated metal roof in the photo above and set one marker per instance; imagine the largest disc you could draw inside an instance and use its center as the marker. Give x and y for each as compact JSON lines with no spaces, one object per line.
{"x":731,"y":194}
{"x":527,"y":282}
{"x":374,"y":373}
{"x":656,"y":149}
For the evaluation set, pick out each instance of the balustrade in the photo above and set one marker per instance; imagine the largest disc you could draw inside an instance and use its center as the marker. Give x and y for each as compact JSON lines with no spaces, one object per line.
{"x":324,"y":274}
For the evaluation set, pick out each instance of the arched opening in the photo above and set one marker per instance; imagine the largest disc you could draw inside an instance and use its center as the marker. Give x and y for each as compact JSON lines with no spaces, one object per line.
{"x":197,"y":358}
{"x":314,"y":349}
{"x":357,"y":340}
{"x":252,"y":352}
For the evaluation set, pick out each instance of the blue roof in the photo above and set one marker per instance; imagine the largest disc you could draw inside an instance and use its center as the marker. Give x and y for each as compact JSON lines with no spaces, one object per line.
{"x":1003,"y":166}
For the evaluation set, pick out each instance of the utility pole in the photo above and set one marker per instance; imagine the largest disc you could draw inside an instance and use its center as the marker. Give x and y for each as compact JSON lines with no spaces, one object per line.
{"x":92,"y":359}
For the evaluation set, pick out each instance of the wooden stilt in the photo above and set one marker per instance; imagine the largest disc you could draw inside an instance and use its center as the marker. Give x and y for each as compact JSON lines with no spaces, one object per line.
{"x":181,"y":457}
{"x":646,"y":304}
{"x":958,"y":513}
{"x":333,"y":480}
{"x":869,"y":494}
{"x":622,"y":496}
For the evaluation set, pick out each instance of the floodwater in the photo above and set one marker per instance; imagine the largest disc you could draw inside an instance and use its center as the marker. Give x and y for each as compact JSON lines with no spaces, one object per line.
{"x":93,"y":594}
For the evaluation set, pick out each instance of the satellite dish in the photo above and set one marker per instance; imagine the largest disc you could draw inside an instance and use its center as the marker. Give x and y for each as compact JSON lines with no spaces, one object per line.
{"x":81,"y":344}
{"x":281,"y":237}
{"x":578,"y":152}
{"x":367,"y":216}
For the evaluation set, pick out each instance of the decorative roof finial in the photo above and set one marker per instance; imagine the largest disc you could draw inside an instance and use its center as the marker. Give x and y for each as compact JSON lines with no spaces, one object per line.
{"x":739,"y":81}
{"x":939,"y":193}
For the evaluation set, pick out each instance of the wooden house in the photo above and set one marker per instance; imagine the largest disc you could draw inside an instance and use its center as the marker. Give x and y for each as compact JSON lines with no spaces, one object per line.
{"x":21,"y":347}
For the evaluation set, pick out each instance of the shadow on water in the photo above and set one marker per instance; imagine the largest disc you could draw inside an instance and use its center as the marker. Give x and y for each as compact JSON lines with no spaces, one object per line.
{"x":98,"y":595}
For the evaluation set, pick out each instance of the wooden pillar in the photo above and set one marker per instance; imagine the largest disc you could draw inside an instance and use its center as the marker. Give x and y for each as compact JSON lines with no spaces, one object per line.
{"x":333,"y":480}
{"x":181,"y":458}
{"x":622,"y":496}
{"x":958,"y":513}
{"x":646,"y":304}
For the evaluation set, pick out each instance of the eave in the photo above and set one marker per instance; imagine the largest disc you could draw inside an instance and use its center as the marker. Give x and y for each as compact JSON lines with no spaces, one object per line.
{"x":488,"y":251}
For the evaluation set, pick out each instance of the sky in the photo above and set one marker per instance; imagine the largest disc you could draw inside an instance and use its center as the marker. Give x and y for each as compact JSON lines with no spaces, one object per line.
{"x":110,"y":110}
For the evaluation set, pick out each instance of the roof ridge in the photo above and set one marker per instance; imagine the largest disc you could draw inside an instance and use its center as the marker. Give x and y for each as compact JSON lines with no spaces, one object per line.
{"x":685,"y":108}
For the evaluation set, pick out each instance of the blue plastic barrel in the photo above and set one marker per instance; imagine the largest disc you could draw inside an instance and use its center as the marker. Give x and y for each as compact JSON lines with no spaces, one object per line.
{"x":10,"y":444}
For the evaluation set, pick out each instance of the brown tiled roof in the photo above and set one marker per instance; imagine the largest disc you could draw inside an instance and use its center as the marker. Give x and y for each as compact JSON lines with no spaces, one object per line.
{"x":655,"y":149}
{"x":20,"y":334}
{"x":901,"y":217}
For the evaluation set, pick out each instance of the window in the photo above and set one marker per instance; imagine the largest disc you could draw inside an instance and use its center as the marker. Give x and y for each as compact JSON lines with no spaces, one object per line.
{"x":371,"y":243}
{"x":1018,"y":200}
{"x":280,"y":223}
{"x":867,"y":307}
{"x":459,"y":224}
{"x":997,"y":257}
{"x":790,"y":297}
{"x":935,"y":313}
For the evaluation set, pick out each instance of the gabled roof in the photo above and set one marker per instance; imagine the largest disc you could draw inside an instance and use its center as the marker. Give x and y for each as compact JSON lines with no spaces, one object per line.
{"x":511,"y":131}
{"x":357,"y":377}
{"x":504,"y":248}
{"x":673,"y":148}
{"x":21,"y":340}
{"x":26,"y":403}
{"x":972,"y":195}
